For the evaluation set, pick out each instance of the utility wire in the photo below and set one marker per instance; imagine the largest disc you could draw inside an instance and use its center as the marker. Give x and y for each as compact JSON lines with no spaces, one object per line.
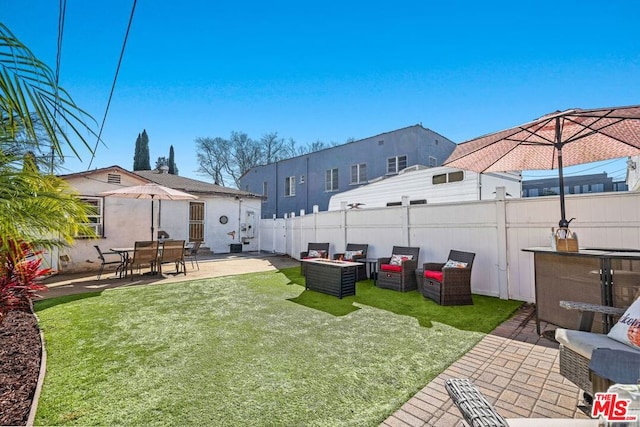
{"x":61,"y":15}
{"x":577,"y":172}
{"x":113,"y":85}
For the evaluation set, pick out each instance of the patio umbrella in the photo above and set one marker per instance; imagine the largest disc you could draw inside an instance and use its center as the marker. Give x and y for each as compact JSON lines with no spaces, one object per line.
{"x":150,"y":191}
{"x":558,"y":139}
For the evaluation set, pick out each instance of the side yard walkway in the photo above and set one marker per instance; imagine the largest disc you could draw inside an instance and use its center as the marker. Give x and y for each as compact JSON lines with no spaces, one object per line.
{"x":513,"y":367}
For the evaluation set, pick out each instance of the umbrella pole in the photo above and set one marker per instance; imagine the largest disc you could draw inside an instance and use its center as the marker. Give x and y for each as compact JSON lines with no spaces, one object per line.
{"x":563,"y":218}
{"x":152,"y":230}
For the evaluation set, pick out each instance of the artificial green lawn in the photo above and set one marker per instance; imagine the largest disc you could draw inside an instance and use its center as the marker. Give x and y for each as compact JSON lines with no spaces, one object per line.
{"x":254,"y":349}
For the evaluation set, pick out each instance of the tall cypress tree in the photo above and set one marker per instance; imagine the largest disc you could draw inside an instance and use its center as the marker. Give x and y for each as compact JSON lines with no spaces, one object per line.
{"x":144,"y":152}
{"x":136,"y":155}
{"x":172,"y":162}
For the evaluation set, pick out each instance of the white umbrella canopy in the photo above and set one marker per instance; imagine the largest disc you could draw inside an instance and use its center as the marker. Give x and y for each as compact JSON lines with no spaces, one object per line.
{"x":149,"y":191}
{"x":558,"y":139}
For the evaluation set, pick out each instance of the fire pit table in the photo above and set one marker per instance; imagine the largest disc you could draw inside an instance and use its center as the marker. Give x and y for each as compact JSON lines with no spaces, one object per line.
{"x":331,"y":277}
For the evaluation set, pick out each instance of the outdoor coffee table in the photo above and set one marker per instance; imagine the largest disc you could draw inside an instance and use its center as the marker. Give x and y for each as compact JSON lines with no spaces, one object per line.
{"x":331,"y":277}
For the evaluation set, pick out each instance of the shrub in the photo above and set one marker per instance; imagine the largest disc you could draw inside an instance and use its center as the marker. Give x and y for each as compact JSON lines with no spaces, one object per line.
{"x":20,"y":271}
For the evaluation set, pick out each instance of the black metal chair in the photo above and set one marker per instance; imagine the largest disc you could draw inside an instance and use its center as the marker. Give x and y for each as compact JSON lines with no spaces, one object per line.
{"x":104,"y":261}
{"x":191,"y":253}
{"x":355,"y":253}
{"x":399,"y":276}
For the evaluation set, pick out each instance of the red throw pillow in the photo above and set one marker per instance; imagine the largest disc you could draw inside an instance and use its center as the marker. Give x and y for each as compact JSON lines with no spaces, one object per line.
{"x":389,"y":267}
{"x":436,"y":275}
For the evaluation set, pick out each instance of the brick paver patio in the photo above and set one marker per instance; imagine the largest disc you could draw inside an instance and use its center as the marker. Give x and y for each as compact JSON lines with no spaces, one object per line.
{"x":514,"y":368}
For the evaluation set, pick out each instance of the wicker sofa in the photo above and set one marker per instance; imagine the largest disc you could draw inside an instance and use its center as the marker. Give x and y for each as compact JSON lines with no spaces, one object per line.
{"x":399,"y":278}
{"x":349,"y":255}
{"x":578,"y":346}
{"x":449,"y":286}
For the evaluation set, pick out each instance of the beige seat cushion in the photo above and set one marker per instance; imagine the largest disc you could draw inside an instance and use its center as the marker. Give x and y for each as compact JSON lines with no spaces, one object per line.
{"x":583,"y":343}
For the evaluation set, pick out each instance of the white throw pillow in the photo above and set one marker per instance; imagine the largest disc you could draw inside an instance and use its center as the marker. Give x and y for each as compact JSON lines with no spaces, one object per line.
{"x":455,"y":264}
{"x":348,"y":255}
{"x":315,"y":254}
{"x":398,"y":259}
{"x":627,"y":328}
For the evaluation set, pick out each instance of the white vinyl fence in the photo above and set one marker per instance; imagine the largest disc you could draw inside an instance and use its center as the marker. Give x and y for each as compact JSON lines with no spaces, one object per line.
{"x":495,"y":230}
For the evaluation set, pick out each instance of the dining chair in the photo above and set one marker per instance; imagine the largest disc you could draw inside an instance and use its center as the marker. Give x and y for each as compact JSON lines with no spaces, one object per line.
{"x":104,"y":261}
{"x":172,"y":251}
{"x":191,"y":253}
{"x":144,"y":253}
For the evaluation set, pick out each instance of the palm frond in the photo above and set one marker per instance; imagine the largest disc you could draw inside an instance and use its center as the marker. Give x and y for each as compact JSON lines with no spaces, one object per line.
{"x":28,"y":86}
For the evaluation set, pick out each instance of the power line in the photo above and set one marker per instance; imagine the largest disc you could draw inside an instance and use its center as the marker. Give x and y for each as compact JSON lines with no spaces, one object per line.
{"x":577,"y":172}
{"x":61,"y":15}
{"x":113,"y":85}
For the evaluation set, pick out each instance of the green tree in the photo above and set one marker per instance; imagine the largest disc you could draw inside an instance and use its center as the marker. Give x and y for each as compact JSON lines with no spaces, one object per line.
{"x":173,"y":169}
{"x":162,"y":161}
{"x":37,"y":209}
{"x":141,"y":159}
{"x":136,"y":155}
{"x":144,"y":151}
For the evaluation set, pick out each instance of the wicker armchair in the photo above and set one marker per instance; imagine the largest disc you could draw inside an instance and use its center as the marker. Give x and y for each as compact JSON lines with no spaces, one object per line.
{"x":399,"y":277}
{"x":577,"y":347}
{"x":321,"y":249}
{"x":349,"y":255}
{"x":449,"y":285}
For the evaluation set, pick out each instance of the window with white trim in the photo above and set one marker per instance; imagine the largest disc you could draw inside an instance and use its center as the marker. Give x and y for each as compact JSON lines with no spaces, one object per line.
{"x":331,"y":180}
{"x":396,"y":164}
{"x":359,"y":173}
{"x":95,"y":215}
{"x":290,"y":186}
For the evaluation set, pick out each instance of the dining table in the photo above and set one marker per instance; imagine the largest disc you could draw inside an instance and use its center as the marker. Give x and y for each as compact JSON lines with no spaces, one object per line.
{"x":124,"y":259}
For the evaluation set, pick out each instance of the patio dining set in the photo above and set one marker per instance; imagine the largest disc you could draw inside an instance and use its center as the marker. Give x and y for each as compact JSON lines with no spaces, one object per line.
{"x":446,"y":283}
{"x":151,"y":253}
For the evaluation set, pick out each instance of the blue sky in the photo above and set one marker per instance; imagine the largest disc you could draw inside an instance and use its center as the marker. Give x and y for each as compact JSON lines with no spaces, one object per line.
{"x":331,"y":70}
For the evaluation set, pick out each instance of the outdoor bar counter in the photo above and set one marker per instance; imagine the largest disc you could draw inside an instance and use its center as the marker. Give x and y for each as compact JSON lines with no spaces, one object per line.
{"x":602,"y":276}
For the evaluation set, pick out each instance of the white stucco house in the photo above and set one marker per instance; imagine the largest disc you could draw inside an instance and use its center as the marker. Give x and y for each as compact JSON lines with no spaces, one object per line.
{"x":220,"y":217}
